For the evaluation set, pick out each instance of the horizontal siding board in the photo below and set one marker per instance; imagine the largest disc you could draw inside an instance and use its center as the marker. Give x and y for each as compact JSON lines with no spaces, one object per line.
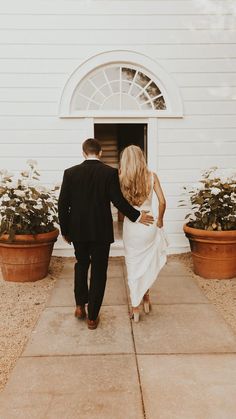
{"x":41,"y":150}
{"x":202,"y":162}
{"x":178,"y":176}
{"x":196,"y":135}
{"x":206,"y":79}
{"x":116,"y":7}
{"x":21,"y":94}
{"x":183,"y":36}
{"x":43,"y":136}
{"x":128,"y":22}
{"x":33,"y":80}
{"x":24,"y":109}
{"x":37,"y":123}
{"x":83,"y":52}
{"x":54,"y":162}
{"x":67,"y":66}
{"x":201,"y":149}
{"x":210,"y":108}
{"x":193,"y":121}
{"x":208,"y":93}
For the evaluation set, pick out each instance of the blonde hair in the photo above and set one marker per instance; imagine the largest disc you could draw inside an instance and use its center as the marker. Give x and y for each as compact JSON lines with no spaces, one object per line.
{"x":134,"y":175}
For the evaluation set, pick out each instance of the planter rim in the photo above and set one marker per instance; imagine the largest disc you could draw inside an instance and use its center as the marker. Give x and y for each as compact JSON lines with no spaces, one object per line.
{"x":31,"y":238}
{"x":227,"y":234}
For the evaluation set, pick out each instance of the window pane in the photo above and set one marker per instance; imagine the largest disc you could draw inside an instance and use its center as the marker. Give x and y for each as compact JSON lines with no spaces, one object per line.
{"x":135,"y":90}
{"x":81,"y":103}
{"x":142,"y":79}
{"x":147,"y":105}
{"x":153,"y":90}
{"x":99,"y":79}
{"x":106,"y":90}
{"x":159,"y":103}
{"x":125,"y":86}
{"x":87,"y":89}
{"x":128,"y":73}
{"x":98,"y":97}
{"x":115,"y":85}
{"x":113,"y":73}
{"x":143,"y":98}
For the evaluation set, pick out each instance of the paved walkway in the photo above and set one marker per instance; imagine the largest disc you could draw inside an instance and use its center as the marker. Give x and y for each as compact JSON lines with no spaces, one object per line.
{"x":178,"y":362}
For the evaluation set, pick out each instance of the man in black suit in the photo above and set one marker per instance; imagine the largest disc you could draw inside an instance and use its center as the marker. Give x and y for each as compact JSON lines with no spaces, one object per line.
{"x":85,"y":219}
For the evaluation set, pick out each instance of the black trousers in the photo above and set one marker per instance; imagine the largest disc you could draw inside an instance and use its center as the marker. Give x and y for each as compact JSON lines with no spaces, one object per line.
{"x":94,"y":254}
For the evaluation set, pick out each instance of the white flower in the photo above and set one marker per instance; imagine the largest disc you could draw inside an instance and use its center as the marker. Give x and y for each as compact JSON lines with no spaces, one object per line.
{"x":215,"y":191}
{"x":38,"y":206}
{"x":19,"y":193}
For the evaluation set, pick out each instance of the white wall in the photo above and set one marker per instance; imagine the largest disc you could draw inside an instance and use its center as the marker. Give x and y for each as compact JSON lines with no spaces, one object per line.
{"x":41,"y":43}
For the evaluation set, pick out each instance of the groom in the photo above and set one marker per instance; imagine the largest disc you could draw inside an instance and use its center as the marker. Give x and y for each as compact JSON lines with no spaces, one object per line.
{"x":85,"y":220}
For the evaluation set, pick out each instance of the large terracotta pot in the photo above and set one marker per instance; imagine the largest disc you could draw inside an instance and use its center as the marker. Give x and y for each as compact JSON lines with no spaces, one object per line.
{"x":27,"y":258}
{"x":213,"y":252}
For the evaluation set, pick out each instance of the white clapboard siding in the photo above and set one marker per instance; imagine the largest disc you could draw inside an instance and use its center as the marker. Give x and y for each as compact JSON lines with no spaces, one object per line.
{"x":129,"y":7}
{"x":83,"y":52}
{"x":38,"y":95}
{"x":42,"y":150}
{"x":24,"y":109}
{"x":199,"y":134}
{"x":195,"y":162}
{"x":202,"y":148}
{"x":38,"y":66}
{"x":210,"y":108}
{"x":43,"y":136}
{"x":95,"y":21}
{"x":70,"y":37}
{"x":32,"y":80}
{"x":42,"y":43}
{"x":221,"y":93}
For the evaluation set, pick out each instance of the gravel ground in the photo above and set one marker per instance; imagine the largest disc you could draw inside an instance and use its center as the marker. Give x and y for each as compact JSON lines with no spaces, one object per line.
{"x":221,"y":292}
{"x":21,"y":305}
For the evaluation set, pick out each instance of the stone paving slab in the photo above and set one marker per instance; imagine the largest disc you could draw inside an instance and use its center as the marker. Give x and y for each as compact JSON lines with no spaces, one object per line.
{"x":183,"y":328}
{"x":174,"y":268}
{"x":176,"y":289}
{"x":78,"y":387}
{"x":58,"y":332}
{"x":63,"y":293}
{"x":188,"y":387}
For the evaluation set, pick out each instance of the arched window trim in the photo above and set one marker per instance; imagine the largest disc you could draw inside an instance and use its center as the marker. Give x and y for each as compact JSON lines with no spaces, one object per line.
{"x":131,"y":59}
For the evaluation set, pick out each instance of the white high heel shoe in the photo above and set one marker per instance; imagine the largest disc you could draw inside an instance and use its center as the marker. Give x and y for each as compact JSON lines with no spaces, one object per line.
{"x":135,"y":314}
{"x":146,"y":303}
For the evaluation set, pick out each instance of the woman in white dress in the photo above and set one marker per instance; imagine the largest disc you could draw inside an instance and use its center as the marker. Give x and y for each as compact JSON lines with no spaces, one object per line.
{"x":145,"y":246}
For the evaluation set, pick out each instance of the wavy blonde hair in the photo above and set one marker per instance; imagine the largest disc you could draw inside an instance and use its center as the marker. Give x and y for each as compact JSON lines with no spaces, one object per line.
{"x":134,"y":175}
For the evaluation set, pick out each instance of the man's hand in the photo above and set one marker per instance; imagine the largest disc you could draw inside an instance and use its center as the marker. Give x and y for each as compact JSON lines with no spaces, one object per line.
{"x":67,"y":239}
{"x":145,"y":218}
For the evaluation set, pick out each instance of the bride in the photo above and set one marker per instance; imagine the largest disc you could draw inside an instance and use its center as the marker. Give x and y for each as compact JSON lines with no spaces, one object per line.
{"x":145,"y":247}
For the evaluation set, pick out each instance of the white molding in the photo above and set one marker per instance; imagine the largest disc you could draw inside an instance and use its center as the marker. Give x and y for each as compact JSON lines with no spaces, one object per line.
{"x":163,"y":79}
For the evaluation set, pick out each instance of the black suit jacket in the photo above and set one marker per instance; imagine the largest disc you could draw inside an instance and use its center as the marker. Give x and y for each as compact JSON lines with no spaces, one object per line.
{"x":84,"y":203}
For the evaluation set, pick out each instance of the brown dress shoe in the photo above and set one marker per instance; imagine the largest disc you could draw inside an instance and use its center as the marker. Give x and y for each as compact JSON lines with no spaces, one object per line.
{"x":80,"y":312}
{"x":93,"y":324}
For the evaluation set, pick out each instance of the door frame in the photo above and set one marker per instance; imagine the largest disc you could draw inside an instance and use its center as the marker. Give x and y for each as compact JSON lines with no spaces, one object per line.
{"x":152,"y":134}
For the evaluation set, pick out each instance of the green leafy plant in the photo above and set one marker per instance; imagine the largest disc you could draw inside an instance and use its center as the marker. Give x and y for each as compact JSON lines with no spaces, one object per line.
{"x":212,"y":201}
{"x":26,"y":207}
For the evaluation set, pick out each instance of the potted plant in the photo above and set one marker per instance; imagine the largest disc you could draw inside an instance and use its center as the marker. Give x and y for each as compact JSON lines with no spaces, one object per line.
{"x":28,"y":213}
{"x":211,"y":224}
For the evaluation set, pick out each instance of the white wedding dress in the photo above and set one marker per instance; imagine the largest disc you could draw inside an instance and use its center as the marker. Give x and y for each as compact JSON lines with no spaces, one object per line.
{"x":145,"y":252}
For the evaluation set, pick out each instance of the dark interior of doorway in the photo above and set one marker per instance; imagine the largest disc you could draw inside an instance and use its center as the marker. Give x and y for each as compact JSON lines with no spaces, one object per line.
{"x":115,"y":137}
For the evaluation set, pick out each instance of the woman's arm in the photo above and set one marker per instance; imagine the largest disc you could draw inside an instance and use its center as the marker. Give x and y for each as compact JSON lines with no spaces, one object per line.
{"x":161,"y":199}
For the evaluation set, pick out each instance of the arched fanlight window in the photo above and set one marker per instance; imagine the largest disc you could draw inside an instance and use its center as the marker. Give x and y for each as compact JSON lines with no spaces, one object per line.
{"x":118,"y":87}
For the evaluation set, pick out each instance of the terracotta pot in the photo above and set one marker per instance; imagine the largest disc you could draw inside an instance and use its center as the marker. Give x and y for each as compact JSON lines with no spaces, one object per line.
{"x":213,"y":252}
{"x":27,"y":258}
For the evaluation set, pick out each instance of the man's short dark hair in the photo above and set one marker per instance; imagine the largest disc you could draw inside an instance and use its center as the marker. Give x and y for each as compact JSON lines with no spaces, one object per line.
{"x":91,"y":146}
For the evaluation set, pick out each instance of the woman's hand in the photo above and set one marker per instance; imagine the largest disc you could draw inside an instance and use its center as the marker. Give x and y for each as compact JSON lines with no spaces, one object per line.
{"x":159,"y":222}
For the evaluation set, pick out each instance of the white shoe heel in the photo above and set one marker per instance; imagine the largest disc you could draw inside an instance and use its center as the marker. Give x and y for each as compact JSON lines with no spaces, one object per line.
{"x":136,"y":316}
{"x":146,"y":303}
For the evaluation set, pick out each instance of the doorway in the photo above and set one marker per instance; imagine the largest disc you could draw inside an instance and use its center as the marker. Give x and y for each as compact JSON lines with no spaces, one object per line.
{"x":114,"y":137}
